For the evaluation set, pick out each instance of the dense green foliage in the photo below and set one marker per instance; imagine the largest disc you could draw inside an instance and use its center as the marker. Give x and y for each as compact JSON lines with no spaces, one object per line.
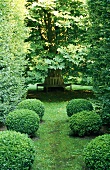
{"x":105,"y":117}
{"x":17,"y":151}
{"x":57,"y":30}
{"x":97,"y":153}
{"x":33,"y":104}
{"x":77,"y":105}
{"x":99,"y":56}
{"x":23,"y":120}
{"x":12,"y":54}
{"x":85,"y":123}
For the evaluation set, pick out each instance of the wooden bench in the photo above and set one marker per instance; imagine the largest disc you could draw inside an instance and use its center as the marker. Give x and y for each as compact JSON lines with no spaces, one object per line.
{"x":54,"y":82}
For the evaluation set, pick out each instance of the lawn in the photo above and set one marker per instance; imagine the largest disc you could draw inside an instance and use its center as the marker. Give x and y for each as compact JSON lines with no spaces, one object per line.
{"x":56,"y":149}
{"x":74,"y":87}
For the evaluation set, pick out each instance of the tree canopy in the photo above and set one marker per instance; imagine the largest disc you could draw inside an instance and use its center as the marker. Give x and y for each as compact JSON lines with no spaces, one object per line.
{"x":57,"y":30}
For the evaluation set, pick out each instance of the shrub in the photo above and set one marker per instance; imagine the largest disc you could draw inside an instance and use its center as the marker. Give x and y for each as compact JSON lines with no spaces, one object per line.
{"x":101,"y":66}
{"x":13,"y":33}
{"x":85,"y":123}
{"x":1,"y":121}
{"x":97,"y":153}
{"x":33,"y":104}
{"x":105,"y":114}
{"x":77,"y":105}
{"x":23,"y":120}
{"x":17,"y":151}
{"x":105,"y":118}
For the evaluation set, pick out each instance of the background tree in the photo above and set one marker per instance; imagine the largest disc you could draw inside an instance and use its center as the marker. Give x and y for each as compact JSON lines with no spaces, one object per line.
{"x":57,"y":29}
{"x":12,"y":54}
{"x":99,"y":38}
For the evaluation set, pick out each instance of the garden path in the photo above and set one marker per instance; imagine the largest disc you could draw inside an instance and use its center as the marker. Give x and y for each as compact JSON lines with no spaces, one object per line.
{"x":56,"y":149}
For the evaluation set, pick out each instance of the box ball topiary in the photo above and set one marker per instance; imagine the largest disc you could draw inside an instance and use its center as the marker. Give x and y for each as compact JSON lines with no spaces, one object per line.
{"x":33,"y":104}
{"x":97,"y":153}
{"x":23,"y":120}
{"x":17,"y":151}
{"x":77,"y":105}
{"x":85,"y":123}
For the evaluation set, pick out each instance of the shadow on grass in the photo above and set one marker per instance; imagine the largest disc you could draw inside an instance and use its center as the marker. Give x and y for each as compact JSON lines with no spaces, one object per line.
{"x":58,"y":96}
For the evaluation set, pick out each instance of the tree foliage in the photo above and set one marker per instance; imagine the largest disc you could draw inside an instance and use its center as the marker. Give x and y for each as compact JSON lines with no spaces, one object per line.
{"x":12,"y":54}
{"x":99,"y":39}
{"x":57,"y":29}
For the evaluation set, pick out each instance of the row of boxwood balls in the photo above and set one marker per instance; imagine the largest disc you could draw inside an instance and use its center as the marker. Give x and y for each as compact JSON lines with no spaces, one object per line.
{"x":21,"y":152}
{"x":17,"y":150}
{"x":26,"y":117}
{"x":85,"y":121}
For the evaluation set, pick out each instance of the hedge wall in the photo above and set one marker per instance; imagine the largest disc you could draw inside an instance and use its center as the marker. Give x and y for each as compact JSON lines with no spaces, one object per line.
{"x":99,"y":38}
{"x":12,"y":54}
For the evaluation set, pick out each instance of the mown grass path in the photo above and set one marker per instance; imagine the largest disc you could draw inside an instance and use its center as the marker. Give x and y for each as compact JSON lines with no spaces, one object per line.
{"x":56,"y":150}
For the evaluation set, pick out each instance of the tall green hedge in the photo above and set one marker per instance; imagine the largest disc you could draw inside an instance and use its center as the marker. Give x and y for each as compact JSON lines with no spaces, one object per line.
{"x":12,"y":54}
{"x":99,"y":39}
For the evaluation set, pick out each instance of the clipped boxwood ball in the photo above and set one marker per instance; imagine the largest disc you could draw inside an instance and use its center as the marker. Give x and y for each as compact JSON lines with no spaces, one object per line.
{"x":17,"y":151}
{"x":23,"y":120}
{"x":97,"y":153}
{"x":85,"y":123}
{"x":33,"y":104}
{"x":77,"y":105}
